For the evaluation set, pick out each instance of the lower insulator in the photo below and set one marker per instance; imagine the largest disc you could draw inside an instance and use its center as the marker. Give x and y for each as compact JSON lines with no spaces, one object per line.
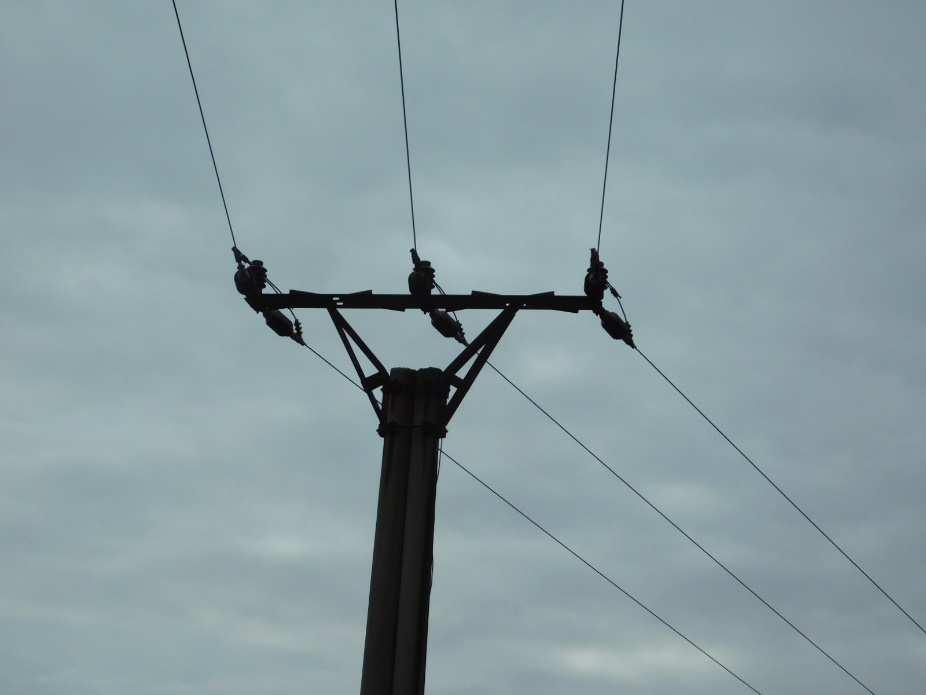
{"x":445,"y":324}
{"x":616,"y":327}
{"x":279,"y":323}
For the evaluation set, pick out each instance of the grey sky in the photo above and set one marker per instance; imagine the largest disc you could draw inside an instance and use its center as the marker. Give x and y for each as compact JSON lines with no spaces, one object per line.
{"x":187,"y":501}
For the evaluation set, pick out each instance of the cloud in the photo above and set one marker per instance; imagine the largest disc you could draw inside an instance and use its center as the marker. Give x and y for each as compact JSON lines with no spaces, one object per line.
{"x":187,"y":502}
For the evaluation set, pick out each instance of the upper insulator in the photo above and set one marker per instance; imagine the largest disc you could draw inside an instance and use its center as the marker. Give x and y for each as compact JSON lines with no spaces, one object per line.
{"x":421,"y":279}
{"x":239,"y":257}
{"x":596,"y":279}
{"x":251,"y":280}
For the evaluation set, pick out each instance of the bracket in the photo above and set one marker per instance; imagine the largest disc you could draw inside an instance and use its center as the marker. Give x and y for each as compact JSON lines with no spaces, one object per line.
{"x":480,"y":348}
{"x":371,"y":382}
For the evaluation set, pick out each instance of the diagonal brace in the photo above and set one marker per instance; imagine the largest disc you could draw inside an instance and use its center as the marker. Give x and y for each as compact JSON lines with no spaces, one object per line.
{"x":482,"y":347}
{"x":371,"y":382}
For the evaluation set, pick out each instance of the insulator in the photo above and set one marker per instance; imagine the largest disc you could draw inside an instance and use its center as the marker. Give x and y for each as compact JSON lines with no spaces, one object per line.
{"x":421,"y":279}
{"x":240,"y":258}
{"x":252,"y":279}
{"x":279,"y":323}
{"x":596,"y":279}
{"x":445,"y":324}
{"x":616,"y":327}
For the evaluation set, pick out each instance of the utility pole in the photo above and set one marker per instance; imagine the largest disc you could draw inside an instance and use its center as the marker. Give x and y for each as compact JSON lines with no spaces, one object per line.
{"x":412,"y":416}
{"x":400,"y":586}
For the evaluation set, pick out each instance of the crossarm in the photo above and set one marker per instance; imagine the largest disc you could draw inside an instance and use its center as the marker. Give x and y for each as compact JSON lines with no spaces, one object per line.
{"x":296,"y":299}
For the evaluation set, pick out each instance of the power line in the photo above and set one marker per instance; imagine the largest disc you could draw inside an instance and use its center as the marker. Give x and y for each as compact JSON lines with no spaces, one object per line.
{"x":682,"y":531}
{"x":414,"y":238}
{"x":752,"y":463}
{"x":202,"y":116}
{"x":408,"y":159}
{"x":784,"y":494}
{"x":597,"y":571}
{"x":330,"y":364}
{"x":215,"y":166}
{"x":607,"y":154}
{"x":443,"y":454}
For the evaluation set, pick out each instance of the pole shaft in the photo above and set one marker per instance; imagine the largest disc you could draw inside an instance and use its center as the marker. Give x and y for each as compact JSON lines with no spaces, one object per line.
{"x":400,"y":585}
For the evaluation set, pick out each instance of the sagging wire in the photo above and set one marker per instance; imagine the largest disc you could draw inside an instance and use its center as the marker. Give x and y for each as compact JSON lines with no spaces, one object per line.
{"x":250,"y":277}
{"x":768,"y":479}
{"x":569,"y":549}
{"x":202,"y":116}
{"x":408,"y":158}
{"x":607,"y":155}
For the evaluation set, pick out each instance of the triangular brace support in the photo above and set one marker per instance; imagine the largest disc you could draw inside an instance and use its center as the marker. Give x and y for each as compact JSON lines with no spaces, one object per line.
{"x":368,"y":383}
{"x":480,"y":348}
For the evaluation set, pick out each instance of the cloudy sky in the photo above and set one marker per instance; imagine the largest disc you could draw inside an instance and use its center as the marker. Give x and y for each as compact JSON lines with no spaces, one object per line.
{"x":187,"y":501}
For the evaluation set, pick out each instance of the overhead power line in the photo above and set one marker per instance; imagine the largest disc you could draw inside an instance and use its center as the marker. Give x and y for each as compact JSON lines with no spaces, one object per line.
{"x":594,"y":568}
{"x":748,"y":459}
{"x":215,"y":167}
{"x":597,"y":571}
{"x":202,"y":115}
{"x":785,"y":495}
{"x":408,"y":159}
{"x":414,"y":239}
{"x":665,"y":517}
{"x":607,"y":153}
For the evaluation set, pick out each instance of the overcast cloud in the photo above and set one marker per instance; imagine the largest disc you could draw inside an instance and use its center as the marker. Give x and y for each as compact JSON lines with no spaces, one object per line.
{"x":187,"y":501}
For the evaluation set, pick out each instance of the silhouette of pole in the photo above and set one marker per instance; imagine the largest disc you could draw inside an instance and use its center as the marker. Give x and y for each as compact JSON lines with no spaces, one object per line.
{"x":395,"y":649}
{"x":413,"y":416}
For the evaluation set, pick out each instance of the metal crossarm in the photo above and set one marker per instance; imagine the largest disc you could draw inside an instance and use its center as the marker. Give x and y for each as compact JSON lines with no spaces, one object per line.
{"x":367,"y":299}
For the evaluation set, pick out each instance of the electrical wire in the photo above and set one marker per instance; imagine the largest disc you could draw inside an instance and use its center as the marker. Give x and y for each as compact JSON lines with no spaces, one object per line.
{"x":277,"y":290}
{"x":598,"y":571}
{"x":595,"y":569}
{"x":749,"y":460}
{"x":607,"y":154}
{"x":617,"y":296}
{"x":331,"y":364}
{"x":441,"y":290}
{"x":215,"y":166}
{"x":202,"y":116}
{"x":665,"y":517}
{"x":601,"y":217}
{"x":784,"y":494}
{"x":408,"y":159}
{"x":442,"y":453}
